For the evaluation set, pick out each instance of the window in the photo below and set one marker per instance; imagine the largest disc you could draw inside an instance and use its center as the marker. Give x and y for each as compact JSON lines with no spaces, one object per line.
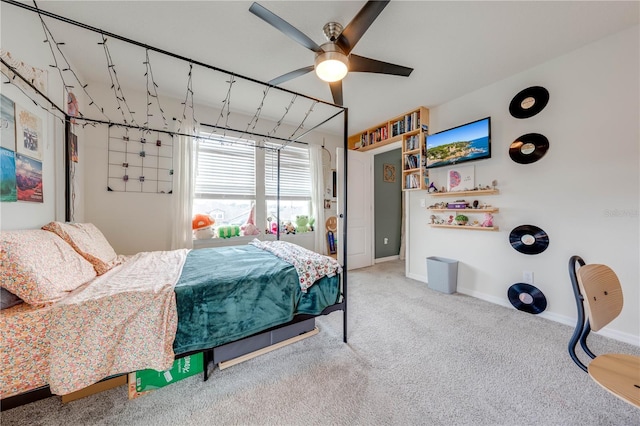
{"x":232,"y":176}
{"x":295,"y":182}
{"x":225,"y":183}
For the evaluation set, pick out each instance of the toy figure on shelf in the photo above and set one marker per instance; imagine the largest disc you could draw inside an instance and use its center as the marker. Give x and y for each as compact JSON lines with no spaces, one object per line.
{"x":450,"y":221}
{"x":432,"y":188}
{"x":289,"y":228}
{"x":202,"y":226}
{"x":488,"y":220}
{"x":250,"y":228}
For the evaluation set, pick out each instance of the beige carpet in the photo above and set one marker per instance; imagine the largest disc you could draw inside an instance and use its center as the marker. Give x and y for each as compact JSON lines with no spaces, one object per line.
{"x":414,"y":357}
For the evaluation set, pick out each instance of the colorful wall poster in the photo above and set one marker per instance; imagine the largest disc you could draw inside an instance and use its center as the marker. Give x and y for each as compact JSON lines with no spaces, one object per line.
{"x":7,"y":123}
{"x":29,"y":134}
{"x":73,"y":147}
{"x":8,"y":191}
{"x":29,"y":179}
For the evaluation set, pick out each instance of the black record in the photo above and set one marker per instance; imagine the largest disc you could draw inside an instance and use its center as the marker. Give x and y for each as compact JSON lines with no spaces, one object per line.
{"x":527,"y":298}
{"x":529,"y":102}
{"x":529,"y":239}
{"x":528,"y":148}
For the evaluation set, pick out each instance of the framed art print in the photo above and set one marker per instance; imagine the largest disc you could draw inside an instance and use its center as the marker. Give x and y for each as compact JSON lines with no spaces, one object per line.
{"x":7,"y":123}
{"x":29,"y":133}
{"x":460,"y":178}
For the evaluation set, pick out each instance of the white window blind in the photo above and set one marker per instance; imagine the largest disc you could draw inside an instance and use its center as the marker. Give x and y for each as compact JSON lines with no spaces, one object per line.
{"x":225,"y":169}
{"x":295,"y":175}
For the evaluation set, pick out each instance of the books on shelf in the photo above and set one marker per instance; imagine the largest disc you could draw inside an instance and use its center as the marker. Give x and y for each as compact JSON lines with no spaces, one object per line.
{"x":411,"y":161}
{"x":406,"y":124}
{"x":412,"y":181}
{"x":412,"y":143}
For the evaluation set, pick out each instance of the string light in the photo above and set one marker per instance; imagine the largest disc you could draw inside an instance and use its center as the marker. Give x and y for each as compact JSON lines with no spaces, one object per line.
{"x":127,"y":115}
{"x":149,"y":74}
{"x":115,"y":84}
{"x":301,"y":125}
{"x":50,"y":40}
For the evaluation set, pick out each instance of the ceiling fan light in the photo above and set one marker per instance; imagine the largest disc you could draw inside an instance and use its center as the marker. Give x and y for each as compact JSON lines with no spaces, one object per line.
{"x":331,"y":66}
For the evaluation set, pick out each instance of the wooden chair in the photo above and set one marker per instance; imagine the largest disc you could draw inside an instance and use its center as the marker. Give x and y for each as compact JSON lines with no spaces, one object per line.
{"x":598,"y":287}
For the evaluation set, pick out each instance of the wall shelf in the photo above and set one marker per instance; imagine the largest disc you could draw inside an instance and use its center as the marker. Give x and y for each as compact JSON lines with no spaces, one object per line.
{"x":463,"y":193}
{"x":467,"y":227}
{"x":487,"y":210}
{"x":457,"y":194}
{"x":411,"y":129}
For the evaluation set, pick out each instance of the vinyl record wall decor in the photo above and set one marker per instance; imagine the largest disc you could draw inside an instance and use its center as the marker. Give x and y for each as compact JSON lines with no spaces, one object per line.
{"x":528,"y":148}
{"x":529,"y":102}
{"x":527,"y":298}
{"x":529,"y":239}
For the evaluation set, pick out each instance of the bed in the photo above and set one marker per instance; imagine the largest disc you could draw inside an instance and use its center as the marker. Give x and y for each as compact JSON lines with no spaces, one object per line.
{"x":89,"y":316}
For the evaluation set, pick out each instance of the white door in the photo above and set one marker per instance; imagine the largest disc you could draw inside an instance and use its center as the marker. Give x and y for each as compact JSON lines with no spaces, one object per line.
{"x":359,"y":208}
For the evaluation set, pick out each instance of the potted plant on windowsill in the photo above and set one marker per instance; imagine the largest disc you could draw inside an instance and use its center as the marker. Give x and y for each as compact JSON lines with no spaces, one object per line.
{"x":461,"y":219}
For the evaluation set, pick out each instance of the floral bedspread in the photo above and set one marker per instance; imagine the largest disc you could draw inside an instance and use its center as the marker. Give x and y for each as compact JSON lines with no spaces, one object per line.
{"x":122,"y":321}
{"x":310,"y":265}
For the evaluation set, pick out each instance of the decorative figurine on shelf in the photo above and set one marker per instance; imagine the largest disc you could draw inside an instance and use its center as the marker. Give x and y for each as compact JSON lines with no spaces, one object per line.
{"x":301,"y":223}
{"x":461,"y":219}
{"x":494,"y":183}
{"x":250,"y":228}
{"x":488,"y":220}
{"x":228,"y":231}
{"x":289,"y":228}
{"x":450,"y":221}
{"x":202,"y":225}
{"x":432,"y":188}
{"x":475,"y":204}
{"x":433,"y":219}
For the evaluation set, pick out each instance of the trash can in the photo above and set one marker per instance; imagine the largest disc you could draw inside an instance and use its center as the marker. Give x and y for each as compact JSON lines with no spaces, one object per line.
{"x":442,"y":274}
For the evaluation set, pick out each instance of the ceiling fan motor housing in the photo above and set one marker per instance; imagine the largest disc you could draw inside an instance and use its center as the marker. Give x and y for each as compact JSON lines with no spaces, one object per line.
{"x":332,"y":30}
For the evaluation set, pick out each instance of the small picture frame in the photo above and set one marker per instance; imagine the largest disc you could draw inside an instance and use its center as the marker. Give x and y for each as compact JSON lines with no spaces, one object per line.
{"x":389,"y":173}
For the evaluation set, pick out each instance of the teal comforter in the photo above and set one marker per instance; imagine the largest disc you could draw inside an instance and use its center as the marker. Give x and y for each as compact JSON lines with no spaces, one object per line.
{"x":228,"y":293}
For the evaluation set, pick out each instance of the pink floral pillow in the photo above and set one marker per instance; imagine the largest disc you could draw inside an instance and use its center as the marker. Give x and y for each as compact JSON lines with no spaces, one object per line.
{"x":86,"y":239}
{"x":39,"y":267}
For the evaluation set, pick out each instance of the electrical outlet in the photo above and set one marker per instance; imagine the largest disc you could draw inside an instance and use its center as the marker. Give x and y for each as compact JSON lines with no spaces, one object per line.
{"x":386,"y":241}
{"x":527,"y":277}
{"x":423,"y":202}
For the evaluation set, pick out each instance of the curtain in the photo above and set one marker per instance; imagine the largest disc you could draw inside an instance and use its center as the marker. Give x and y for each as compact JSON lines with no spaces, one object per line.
{"x":183,"y":182}
{"x":317,"y":197}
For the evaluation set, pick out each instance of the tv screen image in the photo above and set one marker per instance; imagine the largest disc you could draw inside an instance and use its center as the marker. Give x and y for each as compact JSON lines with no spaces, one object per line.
{"x":468,"y":142}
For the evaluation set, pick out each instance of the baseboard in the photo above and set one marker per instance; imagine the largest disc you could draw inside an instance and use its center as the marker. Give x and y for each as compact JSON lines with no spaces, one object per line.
{"x":562,"y":319}
{"x":417,"y":277}
{"x":386,"y":259}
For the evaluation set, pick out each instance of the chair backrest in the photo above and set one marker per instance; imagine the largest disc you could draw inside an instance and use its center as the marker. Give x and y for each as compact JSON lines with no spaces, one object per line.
{"x":602,"y":294}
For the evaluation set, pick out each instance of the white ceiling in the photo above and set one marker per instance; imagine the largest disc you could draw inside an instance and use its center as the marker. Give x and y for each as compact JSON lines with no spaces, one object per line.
{"x":455,"y":47}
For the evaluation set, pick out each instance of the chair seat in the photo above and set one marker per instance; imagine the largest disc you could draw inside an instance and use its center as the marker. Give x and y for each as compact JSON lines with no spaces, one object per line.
{"x":619,"y":374}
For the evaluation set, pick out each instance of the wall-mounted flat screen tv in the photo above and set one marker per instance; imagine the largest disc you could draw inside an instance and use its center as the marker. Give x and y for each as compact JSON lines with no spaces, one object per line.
{"x":469,"y":142}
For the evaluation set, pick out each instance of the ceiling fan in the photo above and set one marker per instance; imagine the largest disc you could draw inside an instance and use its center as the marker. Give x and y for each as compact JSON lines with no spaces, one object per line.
{"x":334,"y":58}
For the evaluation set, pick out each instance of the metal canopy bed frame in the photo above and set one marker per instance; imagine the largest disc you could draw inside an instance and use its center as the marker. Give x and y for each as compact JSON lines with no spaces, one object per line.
{"x":301,"y":322}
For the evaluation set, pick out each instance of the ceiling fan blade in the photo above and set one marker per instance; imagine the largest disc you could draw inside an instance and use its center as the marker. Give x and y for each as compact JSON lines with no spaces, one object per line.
{"x":360,"y":24}
{"x":362,"y":64}
{"x":285,"y":27}
{"x":291,"y":75}
{"x":336,"y":92}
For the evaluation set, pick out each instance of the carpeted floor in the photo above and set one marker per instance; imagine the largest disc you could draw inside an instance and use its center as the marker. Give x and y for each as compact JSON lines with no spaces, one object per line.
{"x":414,"y":357}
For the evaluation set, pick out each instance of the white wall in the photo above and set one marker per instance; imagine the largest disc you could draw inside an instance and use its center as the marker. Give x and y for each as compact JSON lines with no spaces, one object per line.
{"x":584,"y":192}
{"x":31,"y":50}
